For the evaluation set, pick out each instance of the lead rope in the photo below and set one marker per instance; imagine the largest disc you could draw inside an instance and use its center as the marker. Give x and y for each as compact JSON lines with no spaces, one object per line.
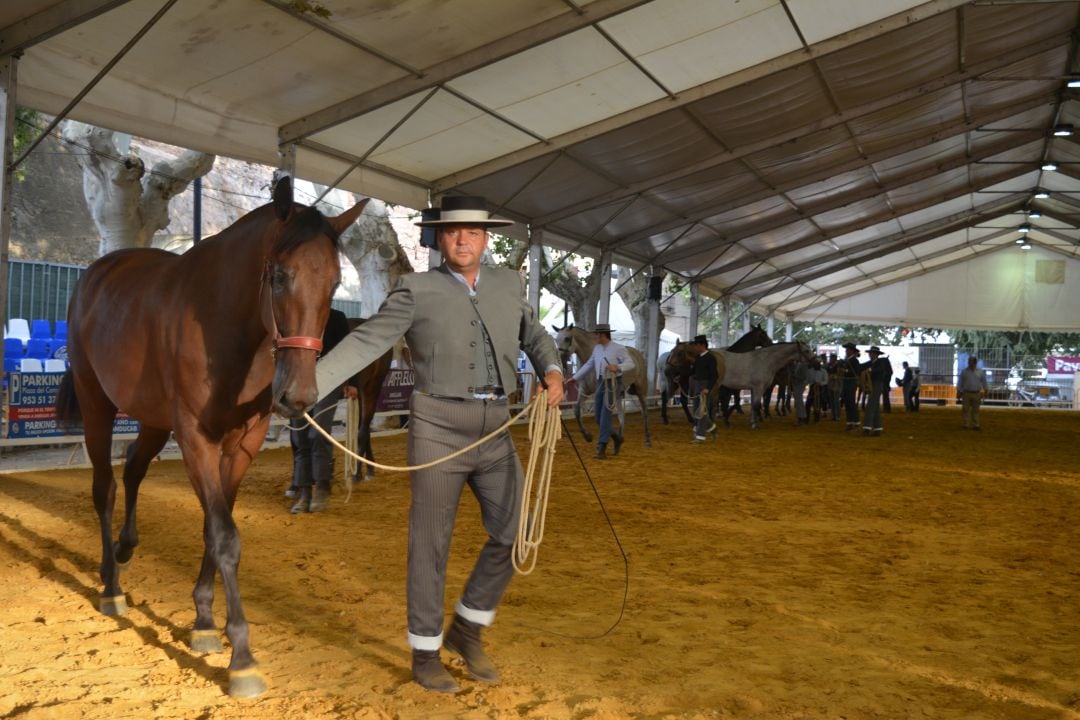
{"x":545,"y":431}
{"x":352,"y":428}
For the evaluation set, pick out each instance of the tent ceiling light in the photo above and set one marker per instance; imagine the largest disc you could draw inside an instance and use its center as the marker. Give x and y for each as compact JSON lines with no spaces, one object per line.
{"x":1034,"y":214}
{"x":1025,"y":246}
{"x":1041,"y":195}
{"x":1049,"y":167}
{"x":1063,"y":130}
{"x":1025,"y":228}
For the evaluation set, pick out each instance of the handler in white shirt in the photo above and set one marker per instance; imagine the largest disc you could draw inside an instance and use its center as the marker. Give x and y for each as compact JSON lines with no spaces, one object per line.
{"x":607,"y":356}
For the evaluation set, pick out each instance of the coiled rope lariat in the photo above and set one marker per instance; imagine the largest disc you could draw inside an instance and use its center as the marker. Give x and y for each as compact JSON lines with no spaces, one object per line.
{"x":611,"y":385}
{"x":545,"y":430}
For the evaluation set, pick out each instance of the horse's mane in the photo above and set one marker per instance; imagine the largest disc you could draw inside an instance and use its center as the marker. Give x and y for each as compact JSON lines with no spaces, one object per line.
{"x":303,"y":226}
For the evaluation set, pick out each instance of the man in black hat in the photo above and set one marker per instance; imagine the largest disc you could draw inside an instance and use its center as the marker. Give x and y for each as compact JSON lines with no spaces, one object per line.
{"x":880,"y":373}
{"x":608,"y":362}
{"x":464,"y":326}
{"x":705,"y":377}
{"x":849,"y":371}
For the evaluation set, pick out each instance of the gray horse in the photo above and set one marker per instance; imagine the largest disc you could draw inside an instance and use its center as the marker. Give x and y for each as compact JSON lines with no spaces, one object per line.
{"x":576,"y":341}
{"x":754,"y":369}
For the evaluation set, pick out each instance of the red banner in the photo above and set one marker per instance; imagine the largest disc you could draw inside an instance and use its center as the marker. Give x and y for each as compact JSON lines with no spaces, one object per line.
{"x":1056,"y":365}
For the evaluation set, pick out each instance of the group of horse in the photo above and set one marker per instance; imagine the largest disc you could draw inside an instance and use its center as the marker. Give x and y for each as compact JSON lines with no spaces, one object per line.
{"x":753,"y":362}
{"x":206,"y":345}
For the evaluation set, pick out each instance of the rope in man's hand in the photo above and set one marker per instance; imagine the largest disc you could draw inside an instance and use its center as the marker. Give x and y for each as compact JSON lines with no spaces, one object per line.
{"x":545,"y":430}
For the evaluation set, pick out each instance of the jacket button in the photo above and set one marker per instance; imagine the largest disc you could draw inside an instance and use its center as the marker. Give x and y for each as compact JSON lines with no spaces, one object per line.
{"x":472,"y":344}
{"x":472,"y":366}
{"x":473,"y":323}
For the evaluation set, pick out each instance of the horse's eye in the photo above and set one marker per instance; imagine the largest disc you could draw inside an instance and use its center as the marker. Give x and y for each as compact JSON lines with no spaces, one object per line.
{"x":281,"y":279}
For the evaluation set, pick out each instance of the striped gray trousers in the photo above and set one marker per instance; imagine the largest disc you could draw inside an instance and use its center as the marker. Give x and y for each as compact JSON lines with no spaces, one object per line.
{"x":439,"y":426}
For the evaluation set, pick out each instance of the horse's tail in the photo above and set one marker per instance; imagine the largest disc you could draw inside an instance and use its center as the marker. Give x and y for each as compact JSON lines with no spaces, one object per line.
{"x":68,"y":414}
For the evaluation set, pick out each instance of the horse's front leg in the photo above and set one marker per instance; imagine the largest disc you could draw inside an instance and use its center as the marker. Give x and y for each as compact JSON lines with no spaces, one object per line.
{"x":685,"y":402}
{"x":663,"y":406}
{"x":755,"y":407}
{"x":577,"y":416}
{"x":215,"y":471}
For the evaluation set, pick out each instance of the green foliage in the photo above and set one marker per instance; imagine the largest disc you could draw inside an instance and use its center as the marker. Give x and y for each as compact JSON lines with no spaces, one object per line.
{"x":501,"y":247}
{"x":27,"y":123}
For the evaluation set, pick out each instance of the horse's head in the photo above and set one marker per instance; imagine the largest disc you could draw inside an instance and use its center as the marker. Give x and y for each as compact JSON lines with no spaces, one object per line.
{"x":805,"y":353}
{"x":760,"y":337}
{"x":564,"y":341}
{"x":302,"y":271}
{"x":681,"y":359}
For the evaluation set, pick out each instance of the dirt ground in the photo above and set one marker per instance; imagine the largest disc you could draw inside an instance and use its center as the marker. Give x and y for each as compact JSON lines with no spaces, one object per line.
{"x":791,"y":572}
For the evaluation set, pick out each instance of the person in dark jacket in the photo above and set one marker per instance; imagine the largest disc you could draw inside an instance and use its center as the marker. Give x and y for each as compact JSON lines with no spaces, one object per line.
{"x":849,"y":374}
{"x":880,"y":373}
{"x":705,"y":377}
{"x":313,"y":455}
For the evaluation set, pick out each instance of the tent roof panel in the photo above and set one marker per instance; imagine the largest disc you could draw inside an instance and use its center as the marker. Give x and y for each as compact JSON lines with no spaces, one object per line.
{"x":685,"y":43}
{"x":618,"y":124}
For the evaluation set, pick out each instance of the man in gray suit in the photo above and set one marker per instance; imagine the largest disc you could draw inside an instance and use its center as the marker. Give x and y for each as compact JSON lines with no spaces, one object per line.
{"x":465,"y":326}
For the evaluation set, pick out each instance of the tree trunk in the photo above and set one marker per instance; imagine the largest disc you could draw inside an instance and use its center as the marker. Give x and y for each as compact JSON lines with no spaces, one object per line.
{"x":127,"y":204}
{"x":371,"y":245}
{"x":635,"y":295}
{"x":567,"y":284}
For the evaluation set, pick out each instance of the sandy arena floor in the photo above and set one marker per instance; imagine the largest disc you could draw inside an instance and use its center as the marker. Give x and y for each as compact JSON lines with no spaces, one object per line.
{"x":785,"y":573}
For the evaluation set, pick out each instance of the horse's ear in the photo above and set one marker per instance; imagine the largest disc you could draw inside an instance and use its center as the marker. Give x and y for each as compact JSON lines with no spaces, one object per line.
{"x":556,"y":329}
{"x":283,"y":198}
{"x":347,"y":218}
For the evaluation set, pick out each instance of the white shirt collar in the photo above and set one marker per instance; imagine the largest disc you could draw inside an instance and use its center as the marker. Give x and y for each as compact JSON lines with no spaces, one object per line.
{"x":463,"y":281}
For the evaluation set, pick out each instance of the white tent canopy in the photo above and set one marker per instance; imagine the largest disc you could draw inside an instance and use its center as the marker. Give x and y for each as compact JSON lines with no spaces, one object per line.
{"x":785,"y":152}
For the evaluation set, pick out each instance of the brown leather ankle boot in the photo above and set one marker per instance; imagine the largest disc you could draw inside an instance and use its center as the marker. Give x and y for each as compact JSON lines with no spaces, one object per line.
{"x":463,"y":638}
{"x":429,"y":672}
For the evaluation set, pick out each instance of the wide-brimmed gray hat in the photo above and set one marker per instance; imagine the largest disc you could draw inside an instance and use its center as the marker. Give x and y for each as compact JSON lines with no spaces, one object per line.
{"x":462,"y":210}
{"x":601,"y":327}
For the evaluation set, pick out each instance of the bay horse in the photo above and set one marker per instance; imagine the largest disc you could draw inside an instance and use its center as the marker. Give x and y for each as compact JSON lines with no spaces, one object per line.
{"x":754,"y":369}
{"x":572,"y":340}
{"x":368,"y":383}
{"x":673,"y":380}
{"x":203,"y":345}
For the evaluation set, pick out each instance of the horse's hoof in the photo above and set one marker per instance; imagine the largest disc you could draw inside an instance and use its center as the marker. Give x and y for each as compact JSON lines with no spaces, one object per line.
{"x":588,"y":438}
{"x":206,"y":641}
{"x":648,"y":443}
{"x":113,"y":606}
{"x":246,"y":683}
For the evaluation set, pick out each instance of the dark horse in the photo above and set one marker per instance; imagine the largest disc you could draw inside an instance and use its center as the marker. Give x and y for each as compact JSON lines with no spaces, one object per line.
{"x":368,"y":382}
{"x":204,"y":345}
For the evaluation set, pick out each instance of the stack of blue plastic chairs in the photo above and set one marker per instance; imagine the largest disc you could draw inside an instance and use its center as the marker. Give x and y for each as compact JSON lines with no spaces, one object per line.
{"x":34,"y":341}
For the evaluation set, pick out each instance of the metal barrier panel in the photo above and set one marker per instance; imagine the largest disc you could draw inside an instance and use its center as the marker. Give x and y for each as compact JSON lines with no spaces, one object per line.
{"x":40,"y":290}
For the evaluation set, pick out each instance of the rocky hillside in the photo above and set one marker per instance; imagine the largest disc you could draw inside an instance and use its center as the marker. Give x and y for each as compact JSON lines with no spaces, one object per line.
{"x":51,"y":222}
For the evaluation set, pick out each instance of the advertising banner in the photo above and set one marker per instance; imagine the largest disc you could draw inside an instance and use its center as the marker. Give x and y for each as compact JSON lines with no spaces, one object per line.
{"x":1056,"y":365}
{"x":395,"y":391}
{"x":32,"y":407}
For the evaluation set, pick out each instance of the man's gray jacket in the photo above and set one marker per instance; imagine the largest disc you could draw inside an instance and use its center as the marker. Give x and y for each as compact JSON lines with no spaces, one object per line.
{"x":441,"y":323}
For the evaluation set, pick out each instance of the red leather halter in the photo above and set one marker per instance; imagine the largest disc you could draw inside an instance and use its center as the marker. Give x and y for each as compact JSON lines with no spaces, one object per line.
{"x":300,"y":342}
